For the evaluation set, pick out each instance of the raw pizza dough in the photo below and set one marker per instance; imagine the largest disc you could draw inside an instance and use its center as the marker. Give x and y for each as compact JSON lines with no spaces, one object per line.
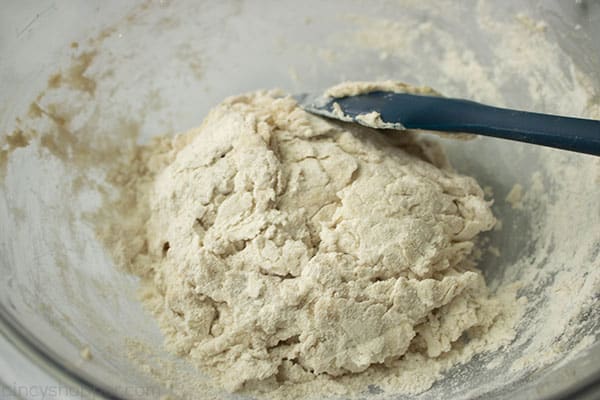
{"x":276,"y":245}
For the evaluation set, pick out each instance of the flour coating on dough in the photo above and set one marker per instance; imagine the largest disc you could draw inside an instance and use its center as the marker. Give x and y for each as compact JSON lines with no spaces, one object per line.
{"x":279,"y":245}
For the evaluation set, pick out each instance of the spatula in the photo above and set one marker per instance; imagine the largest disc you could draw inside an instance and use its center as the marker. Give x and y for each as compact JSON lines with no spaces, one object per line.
{"x":415,"y":111}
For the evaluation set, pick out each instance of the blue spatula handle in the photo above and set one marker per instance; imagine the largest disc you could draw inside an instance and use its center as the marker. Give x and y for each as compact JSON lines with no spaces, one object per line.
{"x":455,"y":115}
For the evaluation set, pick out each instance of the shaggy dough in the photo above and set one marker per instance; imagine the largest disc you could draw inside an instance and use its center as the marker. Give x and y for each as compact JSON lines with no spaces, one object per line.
{"x":279,"y":245}
{"x":359,"y":87}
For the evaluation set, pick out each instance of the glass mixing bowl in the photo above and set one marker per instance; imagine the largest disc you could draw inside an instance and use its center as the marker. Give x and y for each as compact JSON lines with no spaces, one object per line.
{"x":157,"y":67}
